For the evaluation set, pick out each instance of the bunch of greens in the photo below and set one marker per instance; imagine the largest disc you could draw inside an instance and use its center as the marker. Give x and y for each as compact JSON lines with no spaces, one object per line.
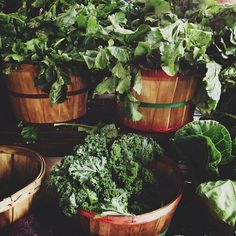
{"x":55,"y":35}
{"x":153,"y":37}
{"x":225,"y":48}
{"x":104,"y":174}
{"x":220,"y":20}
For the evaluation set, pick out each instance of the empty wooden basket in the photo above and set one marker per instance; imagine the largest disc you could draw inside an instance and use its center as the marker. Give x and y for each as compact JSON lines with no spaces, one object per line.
{"x":32,"y":105}
{"x":148,"y":224}
{"x":165,"y":102}
{"x":21,"y":174}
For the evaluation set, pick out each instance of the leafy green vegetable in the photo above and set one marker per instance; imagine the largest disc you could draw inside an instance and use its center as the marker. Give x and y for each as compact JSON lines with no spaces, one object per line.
{"x":222,"y":198}
{"x":212,"y":142}
{"x":29,"y":133}
{"x":102,"y":175}
{"x":210,"y":90}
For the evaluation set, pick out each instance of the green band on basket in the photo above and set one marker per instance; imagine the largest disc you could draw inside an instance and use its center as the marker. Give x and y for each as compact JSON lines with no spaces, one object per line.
{"x":164,"y":105}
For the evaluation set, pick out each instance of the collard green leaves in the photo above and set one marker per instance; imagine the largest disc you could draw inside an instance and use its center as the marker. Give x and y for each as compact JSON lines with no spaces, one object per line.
{"x":207,"y":144}
{"x":210,"y":90}
{"x":222,"y":198}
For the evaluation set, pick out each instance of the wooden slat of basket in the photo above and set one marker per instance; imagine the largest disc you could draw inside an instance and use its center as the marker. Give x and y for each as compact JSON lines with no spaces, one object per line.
{"x":30,"y":104}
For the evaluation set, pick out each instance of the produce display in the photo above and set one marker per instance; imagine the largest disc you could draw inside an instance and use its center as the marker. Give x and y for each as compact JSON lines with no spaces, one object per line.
{"x":162,"y":60}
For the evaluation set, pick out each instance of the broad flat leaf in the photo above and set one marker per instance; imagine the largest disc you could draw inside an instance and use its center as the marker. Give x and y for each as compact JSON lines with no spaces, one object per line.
{"x":89,"y":57}
{"x":15,"y":57}
{"x":222,"y":198}
{"x":119,"y":71}
{"x":138,"y":34}
{"x":67,"y":19}
{"x":210,"y":89}
{"x":92,"y":25}
{"x":101,"y":60}
{"x":130,"y":108}
{"x":159,"y":7}
{"x":174,"y":32}
{"x":142,"y":49}
{"x":211,"y":139}
{"x":170,"y":54}
{"x":138,"y":83}
{"x":121,"y":54}
{"x":124,"y":84}
{"x":108,"y":85}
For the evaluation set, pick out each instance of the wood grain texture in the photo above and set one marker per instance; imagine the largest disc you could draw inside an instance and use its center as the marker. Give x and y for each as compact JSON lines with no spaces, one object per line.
{"x":152,"y":223}
{"x":38,"y":110}
{"x":162,"y":89}
{"x":22,"y":171}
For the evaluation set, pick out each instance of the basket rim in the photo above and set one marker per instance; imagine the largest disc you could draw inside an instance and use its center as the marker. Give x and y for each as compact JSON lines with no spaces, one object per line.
{"x":16,"y":197}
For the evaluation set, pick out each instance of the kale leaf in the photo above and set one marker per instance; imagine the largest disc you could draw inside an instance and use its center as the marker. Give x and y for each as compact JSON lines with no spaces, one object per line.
{"x":102,"y":176}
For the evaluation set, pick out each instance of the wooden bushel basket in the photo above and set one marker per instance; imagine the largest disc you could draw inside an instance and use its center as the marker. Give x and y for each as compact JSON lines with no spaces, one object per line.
{"x":148,"y":224}
{"x":32,"y":105}
{"x":165,"y":102}
{"x":21,"y":174}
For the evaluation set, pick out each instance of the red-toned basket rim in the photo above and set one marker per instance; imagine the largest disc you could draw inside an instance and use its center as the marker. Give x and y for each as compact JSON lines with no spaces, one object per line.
{"x":146,"y":217}
{"x":160,"y":75}
{"x":135,"y":219}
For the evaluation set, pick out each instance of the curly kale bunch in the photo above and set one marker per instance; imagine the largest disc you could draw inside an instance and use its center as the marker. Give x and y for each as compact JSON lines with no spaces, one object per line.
{"x":103,"y":175}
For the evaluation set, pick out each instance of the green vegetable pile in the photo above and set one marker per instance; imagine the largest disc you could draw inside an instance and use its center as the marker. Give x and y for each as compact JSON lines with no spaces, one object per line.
{"x":108,"y":175}
{"x":112,"y":41}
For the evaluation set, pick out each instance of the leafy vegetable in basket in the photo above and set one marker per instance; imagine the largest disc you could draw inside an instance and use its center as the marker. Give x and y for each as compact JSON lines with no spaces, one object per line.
{"x":55,"y":35}
{"x":205,"y":145}
{"x":103,"y":175}
{"x":155,"y":38}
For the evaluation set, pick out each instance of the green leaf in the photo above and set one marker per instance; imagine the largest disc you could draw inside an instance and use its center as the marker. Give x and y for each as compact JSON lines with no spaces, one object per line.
{"x":29,"y":133}
{"x":89,"y":57}
{"x":92,"y":25}
{"x":123,"y":74}
{"x":211,"y":139}
{"x":170,"y":55}
{"x":123,"y":84}
{"x":130,"y":108}
{"x":14,"y":57}
{"x":119,"y":71}
{"x":68,"y":18}
{"x":222,"y":199}
{"x":210,"y":89}
{"x":121,"y":54}
{"x":138,"y":83}
{"x":101,"y":60}
{"x":159,"y":7}
{"x":108,"y":85}
{"x":142,"y":49}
